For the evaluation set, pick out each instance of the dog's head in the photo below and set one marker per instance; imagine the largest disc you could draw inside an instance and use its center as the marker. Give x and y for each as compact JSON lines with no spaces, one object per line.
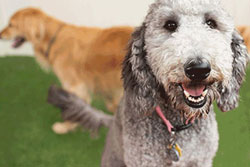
{"x":26,"y":24}
{"x":191,"y":49}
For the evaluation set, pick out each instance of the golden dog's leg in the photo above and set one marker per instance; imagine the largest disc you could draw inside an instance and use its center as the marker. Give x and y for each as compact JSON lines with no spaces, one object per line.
{"x":42,"y":61}
{"x":67,"y":126}
{"x":113,"y":103}
{"x":64,"y":127}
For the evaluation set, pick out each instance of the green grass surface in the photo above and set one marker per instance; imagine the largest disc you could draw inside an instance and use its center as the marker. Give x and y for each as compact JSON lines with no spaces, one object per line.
{"x":26,"y":138}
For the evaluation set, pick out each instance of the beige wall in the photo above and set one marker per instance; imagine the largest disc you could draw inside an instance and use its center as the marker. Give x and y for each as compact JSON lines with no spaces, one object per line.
{"x":239,"y":9}
{"x":103,"y":13}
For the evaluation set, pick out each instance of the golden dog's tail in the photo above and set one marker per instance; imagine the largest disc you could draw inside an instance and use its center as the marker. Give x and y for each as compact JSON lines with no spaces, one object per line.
{"x":76,"y":110}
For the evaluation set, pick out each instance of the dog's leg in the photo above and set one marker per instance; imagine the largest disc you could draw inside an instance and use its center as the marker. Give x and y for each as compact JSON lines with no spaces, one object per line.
{"x":64,"y":127}
{"x":112,"y":103}
{"x":67,"y":126}
{"x":77,"y":110}
{"x":42,"y":61}
{"x":113,"y":150}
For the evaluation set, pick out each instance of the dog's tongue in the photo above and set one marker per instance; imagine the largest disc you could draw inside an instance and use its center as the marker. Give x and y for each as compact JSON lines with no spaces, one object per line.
{"x":195,"y":91}
{"x":18,"y":42}
{"x":14,"y":44}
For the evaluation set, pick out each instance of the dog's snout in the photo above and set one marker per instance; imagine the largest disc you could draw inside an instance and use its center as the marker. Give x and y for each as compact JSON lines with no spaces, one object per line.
{"x":197,"y":69}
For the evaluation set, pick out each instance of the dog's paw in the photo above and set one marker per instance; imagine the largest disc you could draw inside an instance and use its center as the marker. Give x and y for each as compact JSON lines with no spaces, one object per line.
{"x":63,"y":127}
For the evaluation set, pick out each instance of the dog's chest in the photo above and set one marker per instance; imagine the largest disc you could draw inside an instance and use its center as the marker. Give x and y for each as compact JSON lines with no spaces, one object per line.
{"x":146,"y":142}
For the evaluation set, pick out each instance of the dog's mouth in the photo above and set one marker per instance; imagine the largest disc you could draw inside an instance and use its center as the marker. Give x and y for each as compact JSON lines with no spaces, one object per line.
{"x":18,"y":41}
{"x":195,"y":94}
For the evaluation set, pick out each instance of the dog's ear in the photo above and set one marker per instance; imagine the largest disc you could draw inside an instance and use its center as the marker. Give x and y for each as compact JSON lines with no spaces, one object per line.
{"x":137,"y":75}
{"x":132,"y":71}
{"x":38,"y":31}
{"x":229,"y":94}
{"x":136,"y":71}
{"x":35,"y":27}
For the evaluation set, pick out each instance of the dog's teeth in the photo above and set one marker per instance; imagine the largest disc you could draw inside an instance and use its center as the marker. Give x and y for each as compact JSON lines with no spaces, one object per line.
{"x":191,"y":99}
{"x":186,"y":93}
{"x":204,"y":93}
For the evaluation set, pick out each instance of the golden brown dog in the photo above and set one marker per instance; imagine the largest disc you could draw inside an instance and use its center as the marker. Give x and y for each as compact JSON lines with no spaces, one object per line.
{"x":245,"y":32}
{"x":86,"y":60}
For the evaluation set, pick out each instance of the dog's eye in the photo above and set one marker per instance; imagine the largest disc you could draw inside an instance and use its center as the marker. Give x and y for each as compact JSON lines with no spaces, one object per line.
{"x":10,"y":25}
{"x":171,"y":25}
{"x":211,"y":23}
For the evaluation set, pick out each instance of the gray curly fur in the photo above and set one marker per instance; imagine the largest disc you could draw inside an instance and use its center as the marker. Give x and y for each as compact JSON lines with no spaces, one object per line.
{"x":230,"y":95}
{"x":151,"y":72}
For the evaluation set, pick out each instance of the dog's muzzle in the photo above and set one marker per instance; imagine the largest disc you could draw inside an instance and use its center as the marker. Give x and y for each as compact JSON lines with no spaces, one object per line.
{"x":18,"y":41}
{"x":195,"y":91}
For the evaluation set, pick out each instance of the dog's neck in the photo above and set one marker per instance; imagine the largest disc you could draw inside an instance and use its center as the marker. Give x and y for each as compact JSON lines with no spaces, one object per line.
{"x":144,"y":107}
{"x":47,"y":33}
{"x":52,"y":40}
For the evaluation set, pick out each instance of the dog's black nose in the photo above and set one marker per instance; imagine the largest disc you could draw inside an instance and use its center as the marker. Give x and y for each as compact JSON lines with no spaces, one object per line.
{"x":197,"y":69}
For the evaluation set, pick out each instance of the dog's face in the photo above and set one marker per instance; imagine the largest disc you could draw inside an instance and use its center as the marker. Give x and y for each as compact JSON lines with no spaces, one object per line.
{"x":23,"y":25}
{"x":190,"y":46}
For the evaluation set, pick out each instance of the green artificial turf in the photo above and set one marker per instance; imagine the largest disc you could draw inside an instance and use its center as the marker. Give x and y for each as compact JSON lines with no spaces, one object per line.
{"x":26,"y":138}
